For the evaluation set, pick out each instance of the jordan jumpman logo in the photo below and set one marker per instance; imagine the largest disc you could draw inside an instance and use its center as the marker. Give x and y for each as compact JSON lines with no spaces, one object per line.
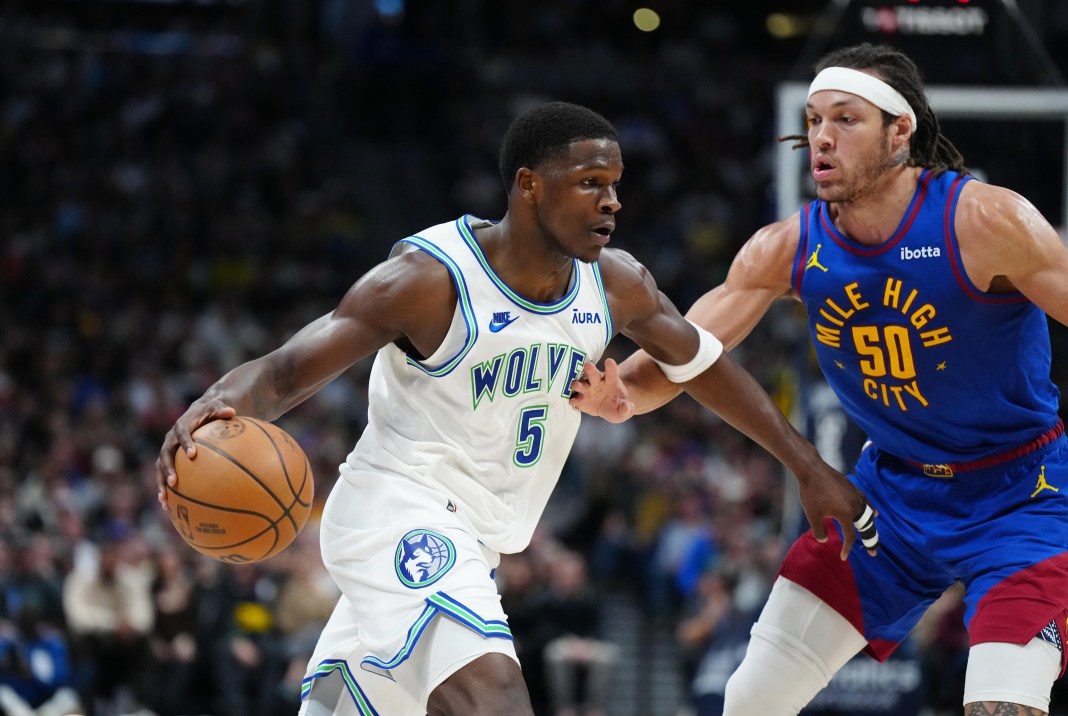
{"x":814,"y":260}
{"x":1042,"y":484}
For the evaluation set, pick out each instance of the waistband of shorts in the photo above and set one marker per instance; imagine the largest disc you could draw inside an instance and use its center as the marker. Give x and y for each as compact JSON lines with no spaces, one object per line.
{"x":949,"y":469}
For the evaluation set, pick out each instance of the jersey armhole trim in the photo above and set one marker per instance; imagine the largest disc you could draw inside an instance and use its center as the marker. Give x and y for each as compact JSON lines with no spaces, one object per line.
{"x":955,"y":259}
{"x":466,"y":309}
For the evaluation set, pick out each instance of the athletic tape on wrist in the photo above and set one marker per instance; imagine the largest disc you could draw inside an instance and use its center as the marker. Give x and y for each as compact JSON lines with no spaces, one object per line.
{"x":865,"y":524}
{"x":708,"y":352}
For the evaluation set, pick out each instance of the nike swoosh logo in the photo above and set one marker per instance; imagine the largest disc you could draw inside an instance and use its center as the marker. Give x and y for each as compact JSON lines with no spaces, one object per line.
{"x":498,"y":327}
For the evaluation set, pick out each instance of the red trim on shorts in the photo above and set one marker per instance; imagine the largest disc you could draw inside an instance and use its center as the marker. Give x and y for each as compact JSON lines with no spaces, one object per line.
{"x":949,"y":469}
{"x":1015,"y":610}
{"x":818,"y":568}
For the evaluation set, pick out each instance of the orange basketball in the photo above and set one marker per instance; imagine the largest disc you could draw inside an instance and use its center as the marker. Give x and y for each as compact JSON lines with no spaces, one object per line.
{"x":246,"y":495}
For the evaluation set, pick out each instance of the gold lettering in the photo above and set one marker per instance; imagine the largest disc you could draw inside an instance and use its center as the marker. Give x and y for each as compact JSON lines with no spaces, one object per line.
{"x":933,"y":338}
{"x":913,"y":389}
{"x":854,"y":296}
{"x":866,"y":341}
{"x":829,"y":336}
{"x":869,"y":388}
{"x":832,"y":319}
{"x":897,"y":390}
{"x":892,"y":292}
{"x":883,"y":393}
{"x":839,"y":310}
{"x":908,"y":301}
{"x":922,"y":315}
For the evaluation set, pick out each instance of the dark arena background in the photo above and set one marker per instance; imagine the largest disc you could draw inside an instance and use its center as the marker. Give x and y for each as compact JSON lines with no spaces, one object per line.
{"x":185,"y":183}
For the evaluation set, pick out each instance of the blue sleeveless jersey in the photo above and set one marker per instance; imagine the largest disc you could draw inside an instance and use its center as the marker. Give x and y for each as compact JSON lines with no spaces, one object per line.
{"x":930,"y":366}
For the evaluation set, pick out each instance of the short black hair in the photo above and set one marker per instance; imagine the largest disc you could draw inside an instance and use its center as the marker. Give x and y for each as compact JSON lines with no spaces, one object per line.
{"x":546,"y":131}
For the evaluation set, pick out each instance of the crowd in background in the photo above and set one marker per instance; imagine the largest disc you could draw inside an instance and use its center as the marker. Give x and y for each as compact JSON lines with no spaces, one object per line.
{"x":179,"y":191}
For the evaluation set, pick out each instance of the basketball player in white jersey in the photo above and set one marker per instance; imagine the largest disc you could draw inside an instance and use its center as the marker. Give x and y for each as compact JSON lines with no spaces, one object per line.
{"x":480,"y":327}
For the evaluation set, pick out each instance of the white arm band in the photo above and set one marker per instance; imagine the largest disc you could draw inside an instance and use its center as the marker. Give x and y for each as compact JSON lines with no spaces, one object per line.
{"x":708,"y":352}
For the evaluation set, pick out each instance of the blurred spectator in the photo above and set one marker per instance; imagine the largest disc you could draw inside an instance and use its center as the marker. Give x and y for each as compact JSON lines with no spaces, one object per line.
{"x":35,"y":668}
{"x":109,"y":613}
{"x":701,"y":617}
{"x":246,"y":657}
{"x":578,"y":663}
{"x":685,"y":544}
{"x":33,"y":582}
{"x":519,"y":582}
{"x":174,"y":652}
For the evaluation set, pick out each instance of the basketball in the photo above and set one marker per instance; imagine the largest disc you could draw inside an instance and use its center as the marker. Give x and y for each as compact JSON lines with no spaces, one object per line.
{"x":247,"y":493}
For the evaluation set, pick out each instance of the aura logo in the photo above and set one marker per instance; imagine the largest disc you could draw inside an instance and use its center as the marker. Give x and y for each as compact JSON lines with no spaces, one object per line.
{"x":423,"y":557}
{"x":578,"y":316}
{"x":501,"y":320}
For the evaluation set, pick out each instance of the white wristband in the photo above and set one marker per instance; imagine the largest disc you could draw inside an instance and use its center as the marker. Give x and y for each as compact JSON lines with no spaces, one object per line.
{"x":708,"y":352}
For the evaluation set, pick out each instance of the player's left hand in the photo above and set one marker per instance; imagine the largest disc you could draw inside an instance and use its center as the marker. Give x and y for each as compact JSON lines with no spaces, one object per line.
{"x":827,"y":494}
{"x":602,"y":394}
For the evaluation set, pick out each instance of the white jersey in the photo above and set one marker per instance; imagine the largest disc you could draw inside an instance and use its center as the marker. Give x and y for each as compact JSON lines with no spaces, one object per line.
{"x":485,"y":420}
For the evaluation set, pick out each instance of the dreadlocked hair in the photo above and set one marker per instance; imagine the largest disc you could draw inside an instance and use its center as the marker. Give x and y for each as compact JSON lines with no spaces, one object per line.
{"x":928,"y":148}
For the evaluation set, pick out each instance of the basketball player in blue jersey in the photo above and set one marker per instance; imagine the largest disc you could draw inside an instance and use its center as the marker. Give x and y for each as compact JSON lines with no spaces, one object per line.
{"x":927,"y":293}
{"x":480,"y":328}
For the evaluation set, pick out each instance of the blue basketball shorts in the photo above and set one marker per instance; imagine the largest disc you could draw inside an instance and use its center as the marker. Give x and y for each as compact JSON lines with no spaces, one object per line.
{"x":1001,"y":531}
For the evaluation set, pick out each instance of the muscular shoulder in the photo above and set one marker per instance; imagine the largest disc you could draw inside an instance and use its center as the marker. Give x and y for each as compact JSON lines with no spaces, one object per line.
{"x":621,"y":271}
{"x":409,"y":274}
{"x":766,"y":259}
{"x":410,"y":295}
{"x":993,"y":210}
{"x":630,"y":287}
{"x":1000,"y":233}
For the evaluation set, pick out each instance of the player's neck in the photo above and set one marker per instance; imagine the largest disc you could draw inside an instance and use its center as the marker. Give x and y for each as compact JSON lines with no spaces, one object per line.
{"x":528,"y":268}
{"x":873,"y":217}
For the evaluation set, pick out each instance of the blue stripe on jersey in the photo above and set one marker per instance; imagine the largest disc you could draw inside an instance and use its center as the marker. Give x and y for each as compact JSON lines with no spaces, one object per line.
{"x":442,"y":603}
{"x":465,"y":615}
{"x":542,"y":308}
{"x":932,"y":368}
{"x":359,"y":698}
{"x":465,"y":308}
{"x":414,"y":632}
{"x":608,"y":326}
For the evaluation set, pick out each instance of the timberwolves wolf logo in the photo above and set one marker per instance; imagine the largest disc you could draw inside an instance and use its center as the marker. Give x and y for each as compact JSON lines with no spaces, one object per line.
{"x":423,"y":557}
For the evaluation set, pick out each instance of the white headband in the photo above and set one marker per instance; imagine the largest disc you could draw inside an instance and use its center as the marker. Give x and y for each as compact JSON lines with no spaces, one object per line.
{"x":865,"y":86}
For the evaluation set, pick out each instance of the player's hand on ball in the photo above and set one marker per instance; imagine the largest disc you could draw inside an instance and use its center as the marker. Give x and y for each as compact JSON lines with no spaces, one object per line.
{"x":180,"y":436}
{"x":602,"y":394}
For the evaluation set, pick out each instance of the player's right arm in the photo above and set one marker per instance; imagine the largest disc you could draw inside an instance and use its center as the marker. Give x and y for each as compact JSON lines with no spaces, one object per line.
{"x":408,"y":298}
{"x":759,"y":275}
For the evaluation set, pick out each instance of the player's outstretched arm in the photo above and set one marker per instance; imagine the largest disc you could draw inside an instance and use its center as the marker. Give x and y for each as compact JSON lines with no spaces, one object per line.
{"x":696,"y":361}
{"x":731,"y":392}
{"x":393,"y":300}
{"x":758,"y":276}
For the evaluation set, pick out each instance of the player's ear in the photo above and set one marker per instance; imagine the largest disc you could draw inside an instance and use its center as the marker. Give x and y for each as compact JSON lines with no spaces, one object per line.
{"x":903,"y":128}
{"x":526,"y":182}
